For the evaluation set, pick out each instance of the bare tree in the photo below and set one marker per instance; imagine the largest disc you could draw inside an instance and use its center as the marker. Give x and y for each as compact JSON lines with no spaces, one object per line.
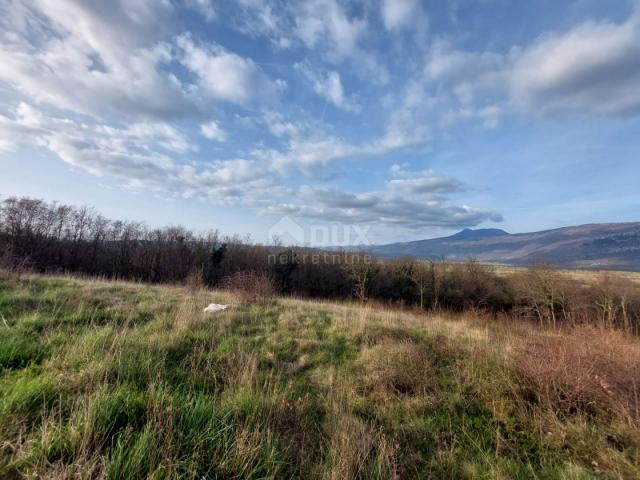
{"x":361,"y":273}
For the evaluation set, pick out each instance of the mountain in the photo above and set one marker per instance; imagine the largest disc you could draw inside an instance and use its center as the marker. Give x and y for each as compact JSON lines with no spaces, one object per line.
{"x":468,"y":233}
{"x":597,"y":246}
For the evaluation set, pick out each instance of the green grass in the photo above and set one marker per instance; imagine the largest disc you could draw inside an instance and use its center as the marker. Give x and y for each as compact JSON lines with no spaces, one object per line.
{"x":120,"y":380}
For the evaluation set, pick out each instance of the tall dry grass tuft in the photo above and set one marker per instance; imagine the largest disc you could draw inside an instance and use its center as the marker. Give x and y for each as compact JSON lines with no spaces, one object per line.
{"x":240,"y":369}
{"x":355,"y":449}
{"x":250,"y":287}
{"x":195,"y":280}
{"x":585,"y":370}
{"x":397,"y":368}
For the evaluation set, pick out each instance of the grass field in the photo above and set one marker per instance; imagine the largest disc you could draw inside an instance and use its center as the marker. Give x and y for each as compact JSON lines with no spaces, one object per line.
{"x":583,"y":276}
{"x":122,"y":380}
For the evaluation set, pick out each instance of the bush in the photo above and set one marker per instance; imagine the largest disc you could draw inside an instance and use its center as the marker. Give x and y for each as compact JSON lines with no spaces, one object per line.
{"x":588,"y":371}
{"x":250,"y":287}
{"x":12,"y":266}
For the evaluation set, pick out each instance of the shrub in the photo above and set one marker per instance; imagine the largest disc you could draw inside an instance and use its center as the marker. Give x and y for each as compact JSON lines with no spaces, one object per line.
{"x":585,"y":371}
{"x":12,"y":266}
{"x":251,"y":287}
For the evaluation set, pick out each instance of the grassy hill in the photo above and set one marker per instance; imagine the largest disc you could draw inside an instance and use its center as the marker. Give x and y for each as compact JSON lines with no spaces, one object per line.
{"x":122,"y":380}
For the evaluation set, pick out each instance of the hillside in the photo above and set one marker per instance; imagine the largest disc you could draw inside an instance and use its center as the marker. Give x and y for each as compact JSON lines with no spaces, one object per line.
{"x":121,"y":380}
{"x":614,"y":246}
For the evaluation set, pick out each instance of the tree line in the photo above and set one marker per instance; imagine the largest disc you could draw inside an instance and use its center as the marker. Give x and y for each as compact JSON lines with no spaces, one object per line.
{"x":56,"y":238}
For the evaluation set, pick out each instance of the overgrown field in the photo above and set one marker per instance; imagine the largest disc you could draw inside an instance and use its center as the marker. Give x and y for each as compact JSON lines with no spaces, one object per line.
{"x":121,"y":380}
{"x":582,"y":276}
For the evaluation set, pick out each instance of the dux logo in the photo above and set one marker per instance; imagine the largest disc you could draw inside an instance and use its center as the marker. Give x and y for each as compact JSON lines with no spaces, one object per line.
{"x":290,"y":232}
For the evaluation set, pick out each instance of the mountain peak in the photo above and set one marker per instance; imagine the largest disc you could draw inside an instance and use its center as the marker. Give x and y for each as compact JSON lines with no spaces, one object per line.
{"x":468,"y":233}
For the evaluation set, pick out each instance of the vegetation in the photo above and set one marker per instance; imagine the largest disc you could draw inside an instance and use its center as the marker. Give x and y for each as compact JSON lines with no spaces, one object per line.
{"x":102,"y":379}
{"x":52,"y":238}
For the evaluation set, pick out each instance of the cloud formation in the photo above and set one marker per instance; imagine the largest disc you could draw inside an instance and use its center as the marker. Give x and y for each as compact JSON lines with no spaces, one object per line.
{"x":593,"y":68}
{"x":422,"y":183}
{"x":219,"y":100}
{"x":329,"y":87}
{"x":92,"y":57}
{"x":399,"y":14}
{"x":212,"y":131}
{"x":222,"y":75}
{"x":114,"y":59}
{"x":389,"y":208}
{"x":142,"y":155}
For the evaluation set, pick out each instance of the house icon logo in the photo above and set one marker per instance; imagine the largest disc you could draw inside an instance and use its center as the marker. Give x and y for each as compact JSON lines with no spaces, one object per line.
{"x":288,"y":231}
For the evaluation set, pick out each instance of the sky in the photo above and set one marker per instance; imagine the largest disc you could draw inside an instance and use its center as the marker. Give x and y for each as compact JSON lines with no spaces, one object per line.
{"x":352,"y":121}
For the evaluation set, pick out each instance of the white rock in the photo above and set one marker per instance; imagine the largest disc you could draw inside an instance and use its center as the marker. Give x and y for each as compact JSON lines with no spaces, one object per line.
{"x":215,"y":307}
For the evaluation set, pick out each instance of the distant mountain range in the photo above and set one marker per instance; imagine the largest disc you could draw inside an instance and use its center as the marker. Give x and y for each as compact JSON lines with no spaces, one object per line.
{"x":614,"y":246}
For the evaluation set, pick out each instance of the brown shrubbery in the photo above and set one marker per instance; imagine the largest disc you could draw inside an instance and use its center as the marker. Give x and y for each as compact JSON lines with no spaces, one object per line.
{"x":585,"y":372}
{"x":250,"y":287}
{"x":11,"y":267}
{"x":551,"y":299}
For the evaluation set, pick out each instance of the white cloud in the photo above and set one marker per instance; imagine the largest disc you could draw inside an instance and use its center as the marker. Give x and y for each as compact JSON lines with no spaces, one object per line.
{"x":284,"y":129}
{"x":235,"y":171}
{"x":111,"y":28}
{"x":329,"y":87}
{"x":325,"y":22}
{"x":106,"y":83}
{"x":311,"y":153}
{"x":140,"y":155}
{"x":324,"y":25}
{"x":63,"y":74}
{"x":389,"y":208}
{"x":594,"y":68}
{"x":444,"y":62}
{"x":165,"y":135}
{"x":112,"y":59}
{"x":281,"y":126}
{"x":423,"y":183}
{"x":212,"y":131}
{"x":397,"y":14}
{"x":308,"y":154}
{"x":140,"y":152}
{"x":223,"y":75}
{"x":264,"y":17}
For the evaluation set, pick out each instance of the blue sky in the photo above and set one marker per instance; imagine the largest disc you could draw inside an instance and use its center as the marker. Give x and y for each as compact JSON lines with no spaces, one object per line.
{"x":399,"y":118}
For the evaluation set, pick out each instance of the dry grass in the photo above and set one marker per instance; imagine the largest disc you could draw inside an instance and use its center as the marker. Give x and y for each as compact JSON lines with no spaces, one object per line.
{"x":583,"y":276}
{"x":396,"y":368}
{"x":583,"y":370}
{"x":250,"y":287}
